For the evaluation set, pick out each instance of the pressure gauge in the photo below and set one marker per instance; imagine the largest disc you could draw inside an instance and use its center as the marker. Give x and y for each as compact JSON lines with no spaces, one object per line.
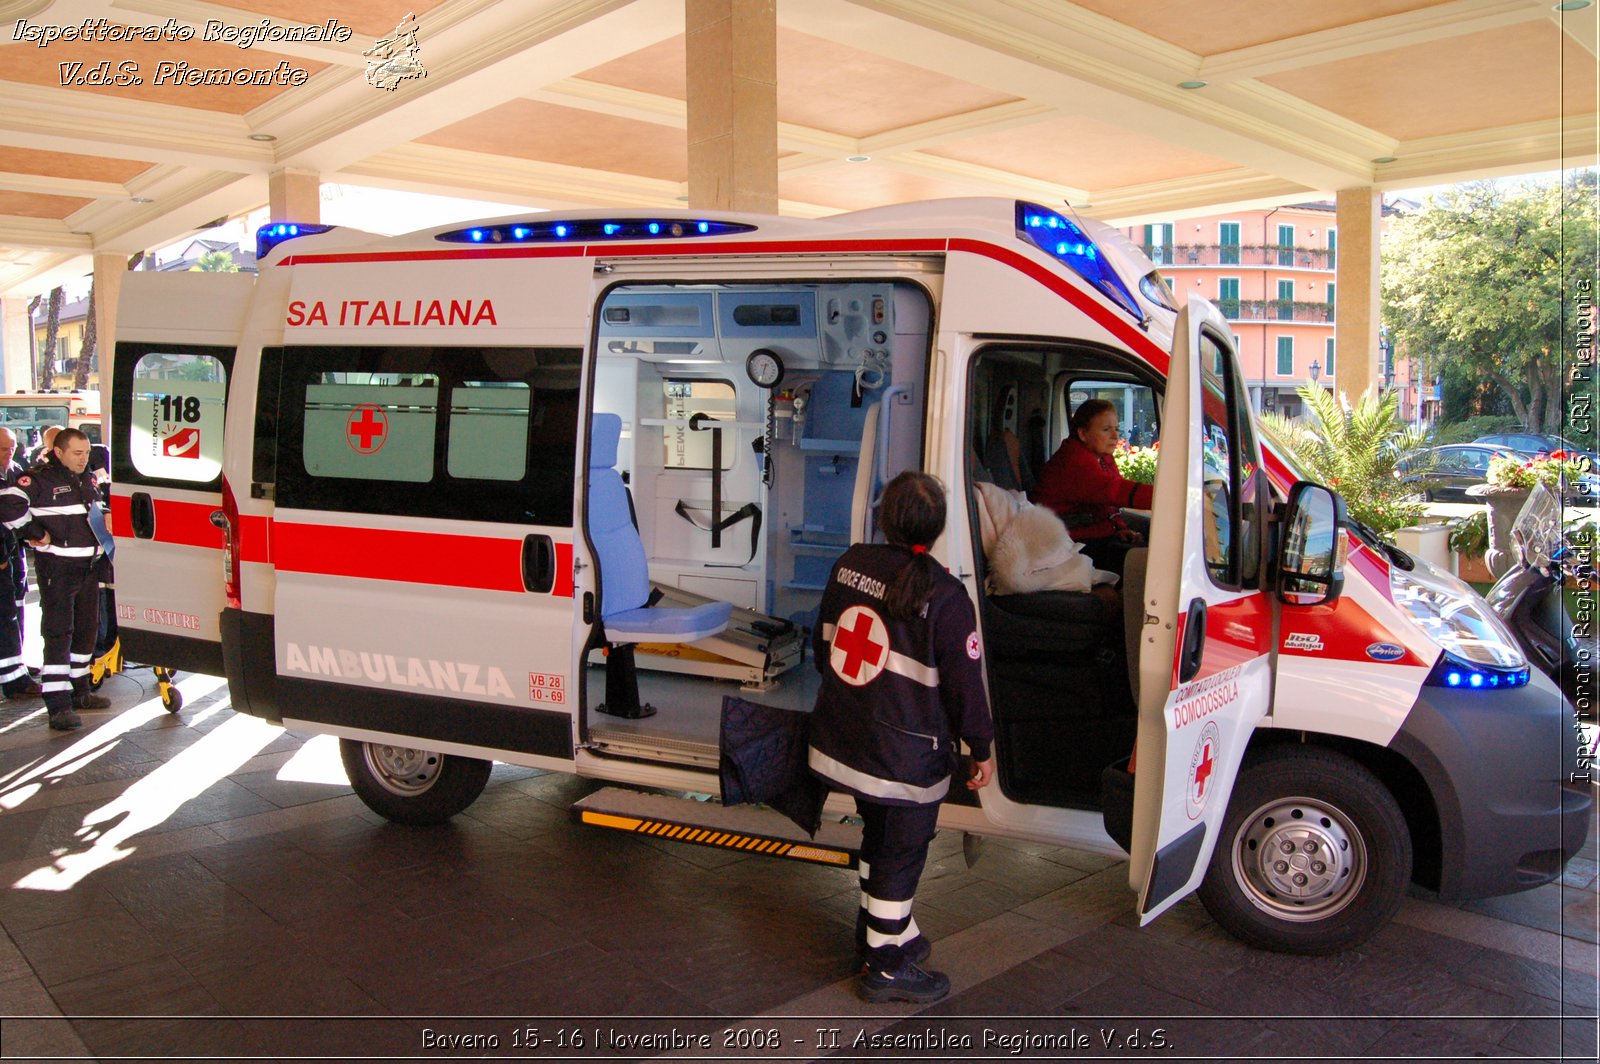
{"x":764,"y":367}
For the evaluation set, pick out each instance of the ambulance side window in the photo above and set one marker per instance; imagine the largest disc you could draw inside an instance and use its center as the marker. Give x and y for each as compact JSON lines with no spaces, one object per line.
{"x":371,"y":426}
{"x":485,"y":434}
{"x":169,"y":405}
{"x":488,"y":430}
{"x":1220,"y":519}
{"x":1229,"y":472}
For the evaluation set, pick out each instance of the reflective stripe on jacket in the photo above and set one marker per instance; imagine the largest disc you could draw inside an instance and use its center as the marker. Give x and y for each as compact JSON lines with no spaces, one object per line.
{"x":50,"y":498}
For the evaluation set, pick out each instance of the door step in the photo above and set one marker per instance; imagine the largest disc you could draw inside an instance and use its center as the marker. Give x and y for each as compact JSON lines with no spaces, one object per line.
{"x":747,"y":828}
{"x":629,"y":742}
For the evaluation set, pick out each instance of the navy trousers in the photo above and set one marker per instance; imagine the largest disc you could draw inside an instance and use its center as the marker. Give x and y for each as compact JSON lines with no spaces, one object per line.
{"x":13,"y":586}
{"x":69,"y":604}
{"x":894,"y":848}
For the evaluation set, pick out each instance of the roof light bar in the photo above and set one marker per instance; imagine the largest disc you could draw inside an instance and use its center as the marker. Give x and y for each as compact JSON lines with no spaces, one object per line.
{"x":272,"y":234}
{"x":1452,"y":671}
{"x":568,"y":231}
{"x":1061,"y":239}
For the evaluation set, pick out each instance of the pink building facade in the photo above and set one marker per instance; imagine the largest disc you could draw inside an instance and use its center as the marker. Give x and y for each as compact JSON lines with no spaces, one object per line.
{"x":1272,"y":273}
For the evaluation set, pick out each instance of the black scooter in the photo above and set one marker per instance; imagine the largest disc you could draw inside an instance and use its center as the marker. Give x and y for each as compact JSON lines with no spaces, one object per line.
{"x":1528,"y":599}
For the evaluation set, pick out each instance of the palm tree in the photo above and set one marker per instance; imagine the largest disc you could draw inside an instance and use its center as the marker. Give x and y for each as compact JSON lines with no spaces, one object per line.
{"x":44,"y":374}
{"x":86,"y":350}
{"x":1355,"y":450}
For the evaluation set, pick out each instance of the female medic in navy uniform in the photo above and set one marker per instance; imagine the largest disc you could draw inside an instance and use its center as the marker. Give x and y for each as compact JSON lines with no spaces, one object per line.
{"x":902,"y":678}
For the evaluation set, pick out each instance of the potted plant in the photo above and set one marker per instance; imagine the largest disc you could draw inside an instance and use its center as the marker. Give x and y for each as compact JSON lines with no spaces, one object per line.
{"x":1506,"y":488}
{"x":1469,"y":542}
{"x":1354,"y":451}
{"x":1137,"y":464}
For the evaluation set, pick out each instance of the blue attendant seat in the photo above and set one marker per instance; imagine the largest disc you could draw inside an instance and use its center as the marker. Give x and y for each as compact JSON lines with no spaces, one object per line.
{"x":625,"y":611}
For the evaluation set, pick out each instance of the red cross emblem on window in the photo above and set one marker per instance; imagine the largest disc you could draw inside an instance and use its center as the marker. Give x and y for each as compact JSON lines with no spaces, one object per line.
{"x":367,"y":430}
{"x":860,"y":646}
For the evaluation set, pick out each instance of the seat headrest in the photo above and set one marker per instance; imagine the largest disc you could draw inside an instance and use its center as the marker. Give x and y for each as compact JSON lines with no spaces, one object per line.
{"x":604,"y":432}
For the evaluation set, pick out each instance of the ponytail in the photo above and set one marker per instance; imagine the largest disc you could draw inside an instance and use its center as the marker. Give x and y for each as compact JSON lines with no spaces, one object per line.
{"x":911,"y":515}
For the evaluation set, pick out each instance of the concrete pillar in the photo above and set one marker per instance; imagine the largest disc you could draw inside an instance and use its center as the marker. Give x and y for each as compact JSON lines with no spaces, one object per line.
{"x":109,"y":269}
{"x":16,"y":348}
{"x":294,"y":196}
{"x":732,"y":91}
{"x":1356,"y":315}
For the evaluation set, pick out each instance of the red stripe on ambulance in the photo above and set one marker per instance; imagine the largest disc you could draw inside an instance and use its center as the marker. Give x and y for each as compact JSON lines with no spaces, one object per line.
{"x":441,"y":559}
{"x":186,"y":524}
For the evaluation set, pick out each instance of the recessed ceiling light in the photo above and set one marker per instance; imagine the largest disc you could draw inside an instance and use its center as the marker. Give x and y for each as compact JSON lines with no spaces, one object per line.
{"x":1192,"y":84}
{"x":140,"y":199}
{"x":858,"y":158}
{"x":1572,"y":5}
{"x":265,"y":138}
{"x":1382,"y":159}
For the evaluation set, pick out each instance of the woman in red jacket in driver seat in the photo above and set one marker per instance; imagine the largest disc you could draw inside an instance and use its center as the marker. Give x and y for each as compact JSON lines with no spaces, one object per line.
{"x":1082,"y":484}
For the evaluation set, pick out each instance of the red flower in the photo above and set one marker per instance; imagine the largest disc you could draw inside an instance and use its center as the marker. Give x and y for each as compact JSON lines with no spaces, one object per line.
{"x":1559,"y":456}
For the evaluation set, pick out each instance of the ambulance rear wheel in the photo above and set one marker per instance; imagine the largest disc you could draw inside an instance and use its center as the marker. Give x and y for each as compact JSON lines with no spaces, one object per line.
{"x":412,"y":786}
{"x":1314,"y":855}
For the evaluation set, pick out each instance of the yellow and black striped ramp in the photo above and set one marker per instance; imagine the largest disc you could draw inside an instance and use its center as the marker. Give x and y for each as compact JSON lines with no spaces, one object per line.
{"x":749,"y":829}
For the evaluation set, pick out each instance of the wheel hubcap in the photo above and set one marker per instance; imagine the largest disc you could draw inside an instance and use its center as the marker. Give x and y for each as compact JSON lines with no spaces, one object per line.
{"x":401,"y":769}
{"x":1299,"y":859}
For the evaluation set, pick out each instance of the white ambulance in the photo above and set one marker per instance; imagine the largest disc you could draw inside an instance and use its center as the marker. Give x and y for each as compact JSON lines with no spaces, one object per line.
{"x":545,"y":490}
{"x":27,"y":414}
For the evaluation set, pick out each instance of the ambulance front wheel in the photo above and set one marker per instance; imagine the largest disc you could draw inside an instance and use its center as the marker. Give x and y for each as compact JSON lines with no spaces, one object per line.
{"x":1314,"y":855}
{"x":412,"y":786}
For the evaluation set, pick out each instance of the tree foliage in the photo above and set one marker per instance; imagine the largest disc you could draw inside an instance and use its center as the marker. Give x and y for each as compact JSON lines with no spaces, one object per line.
{"x":1354,"y":450}
{"x":216,"y":262}
{"x":1484,"y":282}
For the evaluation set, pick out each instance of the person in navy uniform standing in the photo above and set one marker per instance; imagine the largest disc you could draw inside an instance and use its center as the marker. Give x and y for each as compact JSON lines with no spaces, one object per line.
{"x":902,"y":679}
{"x":15,"y":681}
{"x":48,"y":506}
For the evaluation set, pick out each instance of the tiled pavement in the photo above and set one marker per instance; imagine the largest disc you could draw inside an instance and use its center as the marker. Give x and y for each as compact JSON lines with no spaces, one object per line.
{"x":203,"y":885}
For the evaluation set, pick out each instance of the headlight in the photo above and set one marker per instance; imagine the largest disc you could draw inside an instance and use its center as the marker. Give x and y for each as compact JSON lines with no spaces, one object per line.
{"x":1455,"y":616}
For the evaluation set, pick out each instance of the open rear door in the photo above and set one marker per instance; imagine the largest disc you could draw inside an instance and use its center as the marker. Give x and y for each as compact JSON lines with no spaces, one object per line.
{"x":176,"y":339}
{"x":1204,"y":658}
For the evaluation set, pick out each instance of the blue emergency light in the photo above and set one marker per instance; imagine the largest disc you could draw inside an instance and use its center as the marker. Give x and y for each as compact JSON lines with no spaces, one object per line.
{"x":1452,"y":671}
{"x":272,"y":234}
{"x":1061,"y":239}
{"x":570,"y":231}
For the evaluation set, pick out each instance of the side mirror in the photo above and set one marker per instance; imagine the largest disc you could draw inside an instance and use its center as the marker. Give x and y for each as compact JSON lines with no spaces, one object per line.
{"x":1311,"y":547}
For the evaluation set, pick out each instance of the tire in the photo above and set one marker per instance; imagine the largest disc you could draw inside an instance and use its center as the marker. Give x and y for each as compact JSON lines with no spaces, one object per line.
{"x":172,"y":699}
{"x":411,"y":786}
{"x":1304,"y":802}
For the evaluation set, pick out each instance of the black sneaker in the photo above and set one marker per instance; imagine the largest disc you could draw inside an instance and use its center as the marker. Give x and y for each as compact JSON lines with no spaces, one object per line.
{"x":89,"y":700}
{"x":66,"y":720}
{"x":906,"y":983}
{"x":917,"y":951}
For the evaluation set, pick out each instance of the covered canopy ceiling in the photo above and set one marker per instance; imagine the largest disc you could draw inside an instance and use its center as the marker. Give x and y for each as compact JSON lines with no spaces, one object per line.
{"x":563,"y":103}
